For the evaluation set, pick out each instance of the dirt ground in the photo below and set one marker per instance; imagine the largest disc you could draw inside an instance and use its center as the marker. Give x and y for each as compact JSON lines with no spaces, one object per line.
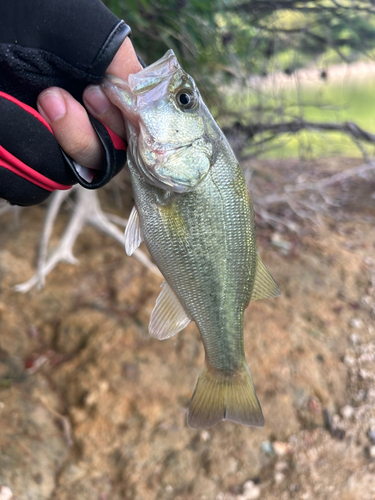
{"x":93,"y":408}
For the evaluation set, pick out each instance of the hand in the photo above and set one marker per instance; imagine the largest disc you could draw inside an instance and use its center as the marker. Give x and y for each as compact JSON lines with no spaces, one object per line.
{"x":37,"y":53}
{"x":68,"y":118}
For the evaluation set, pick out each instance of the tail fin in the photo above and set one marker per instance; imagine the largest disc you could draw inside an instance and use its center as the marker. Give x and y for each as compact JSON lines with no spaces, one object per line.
{"x":218,"y":397}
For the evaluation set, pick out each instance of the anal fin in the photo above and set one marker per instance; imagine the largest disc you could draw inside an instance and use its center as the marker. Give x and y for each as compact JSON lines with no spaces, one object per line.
{"x":133,"y":232}
{"x":264,"y":285}
{"x":168,"y":316}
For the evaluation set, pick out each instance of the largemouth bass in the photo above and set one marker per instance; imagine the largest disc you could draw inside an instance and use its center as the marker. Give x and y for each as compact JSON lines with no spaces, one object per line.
{"x":195,"y":213}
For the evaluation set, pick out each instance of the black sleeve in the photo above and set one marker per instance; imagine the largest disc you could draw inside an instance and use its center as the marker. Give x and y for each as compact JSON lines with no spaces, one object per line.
{"x":43,"y":43}
{"x":63,"y":43}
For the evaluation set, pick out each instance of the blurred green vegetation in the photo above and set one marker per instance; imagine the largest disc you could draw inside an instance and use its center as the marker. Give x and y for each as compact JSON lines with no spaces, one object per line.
{"x":334,"y":101}
{"x":221,"y":43}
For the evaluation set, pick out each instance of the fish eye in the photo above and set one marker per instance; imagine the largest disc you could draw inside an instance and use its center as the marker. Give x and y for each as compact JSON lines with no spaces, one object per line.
{"x":186,"y":99}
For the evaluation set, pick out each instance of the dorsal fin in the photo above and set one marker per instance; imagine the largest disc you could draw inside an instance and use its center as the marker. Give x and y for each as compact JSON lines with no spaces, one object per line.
{"x":133,"y":232}
{"x":264,"y":285}
{"x":168,"y":316}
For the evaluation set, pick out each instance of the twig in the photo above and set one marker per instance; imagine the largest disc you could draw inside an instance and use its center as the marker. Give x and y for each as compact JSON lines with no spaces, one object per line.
{"x":116,"y":219}
{"x":86,"y":210}
{"x":294,"y":126}
{"x":49,"y":221}
{"x":297,"y":204}
{"x":239,"y":135}
{"x":276,"y":221}
{"x":336,"y":178}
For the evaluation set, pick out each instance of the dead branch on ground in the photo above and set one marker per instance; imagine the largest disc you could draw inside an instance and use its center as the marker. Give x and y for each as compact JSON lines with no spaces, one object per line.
{"x":86,"y":209}
{"x":306,"y":206}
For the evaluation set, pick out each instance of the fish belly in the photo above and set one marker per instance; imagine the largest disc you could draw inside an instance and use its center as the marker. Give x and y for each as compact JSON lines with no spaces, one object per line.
{"x":204,"y":244}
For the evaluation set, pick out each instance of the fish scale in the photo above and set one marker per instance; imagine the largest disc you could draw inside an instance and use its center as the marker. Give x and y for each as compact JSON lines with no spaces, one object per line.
{"x":196,"y":217}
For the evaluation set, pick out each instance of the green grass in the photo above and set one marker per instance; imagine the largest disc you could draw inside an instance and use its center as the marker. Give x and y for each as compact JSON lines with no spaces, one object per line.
{"x":319,"y":102}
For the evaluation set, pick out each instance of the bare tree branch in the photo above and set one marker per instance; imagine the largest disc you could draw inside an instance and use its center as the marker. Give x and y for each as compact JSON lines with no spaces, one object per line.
{"x":239,"y":135}
{"x":302,"y":205}
{"x":86,"y":210}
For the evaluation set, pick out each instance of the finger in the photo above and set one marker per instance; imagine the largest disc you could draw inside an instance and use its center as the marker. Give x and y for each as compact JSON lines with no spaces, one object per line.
{"x":100,"y":107}
{"x":123,"y":64}
{"x":125,"y":61}
{"x":71,"y":127}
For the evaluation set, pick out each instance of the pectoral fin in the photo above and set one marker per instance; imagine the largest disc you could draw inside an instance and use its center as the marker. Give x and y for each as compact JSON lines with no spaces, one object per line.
{"x":168,"y":316}
{"x":133,"y":232}
{"x":264,"y":285}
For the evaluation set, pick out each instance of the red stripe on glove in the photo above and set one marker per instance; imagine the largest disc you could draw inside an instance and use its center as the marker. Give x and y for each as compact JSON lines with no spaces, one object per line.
{"x":27,"y":108}
{"x":118,"y":143}
{"x":10,"y":162}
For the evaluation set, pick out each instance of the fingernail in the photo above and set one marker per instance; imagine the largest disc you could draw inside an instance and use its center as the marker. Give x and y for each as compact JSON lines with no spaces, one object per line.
{"x":96,"y":100}
{"x":51,"y":105}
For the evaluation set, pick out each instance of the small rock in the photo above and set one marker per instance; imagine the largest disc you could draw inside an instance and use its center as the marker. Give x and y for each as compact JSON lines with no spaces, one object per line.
{"x":232,"y":465}
{"x":5,"y":493}
{"x":366,"y":374}
{"x":267,"y":448}
{"x":356,"y":323}
{"x":347,"y":411}
{"x":371,"y":435}
{"x":280,"y":448}
{"x":371,"y":394}
{"x":354,"y":339}
{"x":205,"y":436}
{"x":335,"y":419}
{"x":349,"y":360}
{"x":371,"y":452}
{"x":250,"y":491}
{"x":91,"y":398}
{"x":74,"y":473}
{"x":169,"y":488}
{"x":280,"y":466}
{"x":103,"y":386}
{"x":367,"y":299}
{"x":362,"y":394}
{"x":279,"y":477}
{"x":284,"y":245}
{"x":78,"y":415}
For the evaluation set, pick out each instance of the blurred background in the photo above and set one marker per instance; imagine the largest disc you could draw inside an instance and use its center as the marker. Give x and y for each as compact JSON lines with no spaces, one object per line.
{"x":91,"y":407}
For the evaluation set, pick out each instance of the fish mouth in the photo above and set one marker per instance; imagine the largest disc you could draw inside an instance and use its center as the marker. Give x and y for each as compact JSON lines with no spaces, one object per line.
{"x":170,"y":150}
{"x":158,"y":148}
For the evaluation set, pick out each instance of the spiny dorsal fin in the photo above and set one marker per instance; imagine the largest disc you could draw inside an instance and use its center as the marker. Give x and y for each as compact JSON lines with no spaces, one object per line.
{"x":133,"y":232}
{"x":264,"y":285}
{"x":168,"y":316}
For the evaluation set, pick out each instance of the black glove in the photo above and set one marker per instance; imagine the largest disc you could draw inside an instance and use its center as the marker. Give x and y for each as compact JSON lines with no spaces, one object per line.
{"x":44,"y":43}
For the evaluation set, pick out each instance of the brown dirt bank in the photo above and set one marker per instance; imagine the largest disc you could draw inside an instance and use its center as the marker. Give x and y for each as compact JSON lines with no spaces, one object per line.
{"x":91,"y":407}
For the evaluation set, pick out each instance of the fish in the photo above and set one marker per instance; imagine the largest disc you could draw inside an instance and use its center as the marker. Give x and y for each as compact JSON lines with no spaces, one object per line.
{"x":195,"y":213}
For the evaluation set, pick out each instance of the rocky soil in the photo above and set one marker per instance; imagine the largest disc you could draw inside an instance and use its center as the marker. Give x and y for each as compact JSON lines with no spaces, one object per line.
{"x":92,"y":407}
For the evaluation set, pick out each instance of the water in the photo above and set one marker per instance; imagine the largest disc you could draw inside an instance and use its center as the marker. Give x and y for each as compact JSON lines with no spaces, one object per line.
{"x":348,"y":95}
